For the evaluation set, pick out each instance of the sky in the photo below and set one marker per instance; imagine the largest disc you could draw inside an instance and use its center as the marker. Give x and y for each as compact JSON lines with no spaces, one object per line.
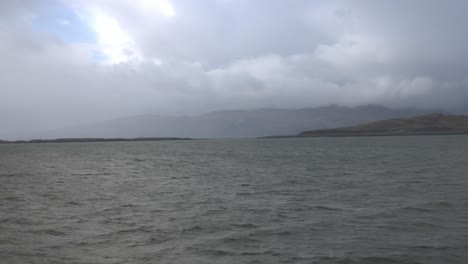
{"x":68,"y":62}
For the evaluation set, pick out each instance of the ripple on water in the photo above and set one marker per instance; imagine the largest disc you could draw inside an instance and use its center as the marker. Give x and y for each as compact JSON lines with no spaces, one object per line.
{"x":360,"y":200}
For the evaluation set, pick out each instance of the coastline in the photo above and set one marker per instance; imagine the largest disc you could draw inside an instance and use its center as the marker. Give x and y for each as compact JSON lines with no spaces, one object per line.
{"x":85,"y":140}
{"x":368,"y":135}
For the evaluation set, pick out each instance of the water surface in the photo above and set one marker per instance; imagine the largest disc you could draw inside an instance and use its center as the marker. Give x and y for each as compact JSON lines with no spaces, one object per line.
{"x":318,"y":200}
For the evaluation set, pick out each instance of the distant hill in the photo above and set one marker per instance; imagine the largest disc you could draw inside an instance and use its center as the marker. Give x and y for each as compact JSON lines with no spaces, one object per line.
{"x":432,"y":124}
{"x":234,"y":123}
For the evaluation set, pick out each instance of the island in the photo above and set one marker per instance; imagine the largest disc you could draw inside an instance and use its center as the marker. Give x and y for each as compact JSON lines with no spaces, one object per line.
{"x":432,"y":124}
{"x":83,"y":140}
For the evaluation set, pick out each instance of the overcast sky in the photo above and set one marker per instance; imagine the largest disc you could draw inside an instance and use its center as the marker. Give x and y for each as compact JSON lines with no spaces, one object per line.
{"x":65,"y":62}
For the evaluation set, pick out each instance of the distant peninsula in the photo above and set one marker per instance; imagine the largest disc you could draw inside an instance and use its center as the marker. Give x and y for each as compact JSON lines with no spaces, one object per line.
{"x":432,"y":124}
{"x":83,"y":140}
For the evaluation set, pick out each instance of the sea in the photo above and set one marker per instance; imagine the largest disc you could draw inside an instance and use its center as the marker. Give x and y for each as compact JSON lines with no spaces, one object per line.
{"x":376,"y":200}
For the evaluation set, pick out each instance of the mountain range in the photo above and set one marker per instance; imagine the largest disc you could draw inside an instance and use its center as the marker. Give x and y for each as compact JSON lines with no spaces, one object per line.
{"x":234,"y":123}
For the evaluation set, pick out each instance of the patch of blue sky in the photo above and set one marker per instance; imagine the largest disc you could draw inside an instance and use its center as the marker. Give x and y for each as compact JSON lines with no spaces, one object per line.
{"x":99,"y":56}
{"x":65,"y":23}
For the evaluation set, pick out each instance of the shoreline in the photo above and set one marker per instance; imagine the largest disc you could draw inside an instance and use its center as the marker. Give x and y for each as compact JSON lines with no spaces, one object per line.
{"x":367,"y":135}
{"x":91,"y":140}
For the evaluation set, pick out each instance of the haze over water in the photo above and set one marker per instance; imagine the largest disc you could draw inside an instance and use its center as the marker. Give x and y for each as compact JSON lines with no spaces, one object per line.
{"x":320,"y":200}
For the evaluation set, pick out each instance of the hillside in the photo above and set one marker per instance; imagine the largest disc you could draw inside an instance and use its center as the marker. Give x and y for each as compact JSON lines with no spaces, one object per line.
{"x":432,"y":124}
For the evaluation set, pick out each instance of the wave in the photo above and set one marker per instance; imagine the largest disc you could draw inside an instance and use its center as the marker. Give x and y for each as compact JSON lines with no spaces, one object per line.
{"x":49,"y":231}
{"x":10,"y":175}
{"x":364,"y":260}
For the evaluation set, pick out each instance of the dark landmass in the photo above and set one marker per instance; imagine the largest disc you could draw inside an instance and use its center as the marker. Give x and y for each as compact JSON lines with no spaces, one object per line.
{"x":69,"y":140}
{"x":432,"y":124}
{"x":232,"y":123}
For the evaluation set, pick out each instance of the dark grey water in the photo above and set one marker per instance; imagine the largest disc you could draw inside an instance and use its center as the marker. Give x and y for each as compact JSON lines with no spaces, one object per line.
{"x":323,"y":200}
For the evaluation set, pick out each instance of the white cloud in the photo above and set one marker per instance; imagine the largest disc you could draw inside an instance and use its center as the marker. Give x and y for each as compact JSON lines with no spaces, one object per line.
{"x":151,"y":7}
{"x":115,"y":43}
{"x":354,"y":51}
{"x":63,"y":22}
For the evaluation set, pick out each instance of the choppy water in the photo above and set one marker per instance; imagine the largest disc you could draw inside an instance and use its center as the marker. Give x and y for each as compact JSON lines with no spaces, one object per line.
{"x":324,"y":200}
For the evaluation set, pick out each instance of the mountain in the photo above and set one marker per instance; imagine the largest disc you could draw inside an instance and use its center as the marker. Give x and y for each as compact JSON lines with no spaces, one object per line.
{"x":432,"y":124}
{"x":234,"y":123}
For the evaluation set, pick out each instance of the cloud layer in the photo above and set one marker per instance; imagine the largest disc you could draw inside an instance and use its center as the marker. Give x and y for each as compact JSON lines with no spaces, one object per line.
{"x":126,"y":57}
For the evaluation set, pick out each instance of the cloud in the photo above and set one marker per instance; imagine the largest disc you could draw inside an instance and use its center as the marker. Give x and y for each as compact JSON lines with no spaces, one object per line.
{"x":182,"y":57}
{"x":63,"y":22}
